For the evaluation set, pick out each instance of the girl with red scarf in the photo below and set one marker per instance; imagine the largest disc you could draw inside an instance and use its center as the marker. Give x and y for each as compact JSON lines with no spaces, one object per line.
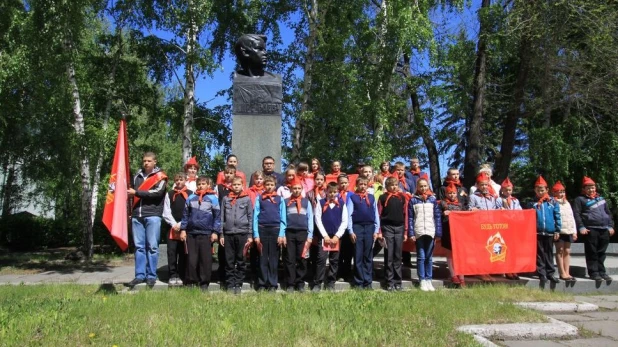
{"x":449,"y":204}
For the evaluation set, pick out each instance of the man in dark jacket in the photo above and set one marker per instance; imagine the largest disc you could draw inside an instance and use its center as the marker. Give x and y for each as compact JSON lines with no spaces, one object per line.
{"x":148,"y":200}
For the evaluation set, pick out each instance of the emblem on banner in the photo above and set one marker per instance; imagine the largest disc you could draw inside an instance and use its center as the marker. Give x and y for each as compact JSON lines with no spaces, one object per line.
{"x":496,"y":247}
{"x":109,"y":198}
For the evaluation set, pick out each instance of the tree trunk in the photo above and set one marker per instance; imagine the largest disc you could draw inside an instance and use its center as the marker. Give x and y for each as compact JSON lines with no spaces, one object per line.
{"x":94,"y":200}
{"x":474,"y":141}
{"x":299,"y":127}
{"x":189,"y":95}
{"x":509,"y":132}
{"x":430,"y":145}
{"x":78,"y":124}
{"x":7,"y":187}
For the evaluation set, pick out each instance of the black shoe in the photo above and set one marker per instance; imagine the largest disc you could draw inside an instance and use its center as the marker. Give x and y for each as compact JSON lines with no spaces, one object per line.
{"x":553,"y":279}
{"x":596,"y":278}
{"x":398,"y":288}
{"x":390,"y":289}
{"x":136,"y":281}
{"x":151,"y":282}
{"x":606,"y":277}
{"x":542,"y":279}
{"x":204,"y":287}
{"x":300,"y":289}
{"x":316,"y":289}
{"x":237,"y":290}
{"x":272,"y":289}
{"x":329,"y":287}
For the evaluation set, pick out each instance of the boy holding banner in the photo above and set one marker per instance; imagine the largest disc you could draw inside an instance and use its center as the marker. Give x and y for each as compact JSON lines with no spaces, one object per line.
{"x":483,"y":199}
{"x":548,"y":224}
{"x":148,"y":200}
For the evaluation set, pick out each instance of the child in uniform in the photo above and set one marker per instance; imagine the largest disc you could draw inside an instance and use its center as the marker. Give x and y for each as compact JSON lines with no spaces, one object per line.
{"x":507,"y":201}
{"x":363,"y":227}
{"x":191,"y":169}
{"x":298,"y":236}
{"x":223,"y":189}
{"x":393,"y":210}
{"x":331,"y":217}
{"x":595,"y":226}
{"x":200,"y":225}
{"x":346,"y":247}
{"x":424,"y":224}
{"x":237,"y":220}
{"x":568,"y":233}
{"x":268,"y":230}
{"x":173,"y":208}
{"x":449,"y":204}
{"x":548,"y":224}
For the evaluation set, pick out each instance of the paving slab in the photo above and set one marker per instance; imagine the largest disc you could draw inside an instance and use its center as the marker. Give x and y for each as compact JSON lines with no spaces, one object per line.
{"x":604,"y":328}
{"x":559,"y":306}
{"x":571,"y":318}
{"x":531,"y":343}
{"x":594,"y":342}
{"x":599,"y":301}
{"x":555,"y":329}
{"x":606,"y":315}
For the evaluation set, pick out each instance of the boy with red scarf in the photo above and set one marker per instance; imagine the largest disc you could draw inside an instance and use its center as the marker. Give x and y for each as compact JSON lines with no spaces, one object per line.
{"x":148,"y":199}
{"x":483,"y":199}
{"x":393,"y":210}
{"x":237,"y":219}
{"x":452,"y":177}
{"x":298,"y":236}
{"x":335,"y":172}
{"x":173,"y":208}
{"x":268,"y":232}
{"x":400,"y":175}
{"x":232,"y":160}
{"x":595,"y":225}
{"x":363,"y":227}
{"x":331,"y":216}
{"x":200,"y":226}
{"x":451,"y":202}
{"x":548,"y":224}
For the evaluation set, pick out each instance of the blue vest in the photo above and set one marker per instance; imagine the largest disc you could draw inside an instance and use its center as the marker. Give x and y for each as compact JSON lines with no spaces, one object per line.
{"x":269,"y":212}
{"x":331,"y":217}
{"x":363,"y":214}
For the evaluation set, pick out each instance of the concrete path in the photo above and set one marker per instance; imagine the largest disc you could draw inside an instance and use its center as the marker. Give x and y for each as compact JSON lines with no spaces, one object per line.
{"x":597,"y":329}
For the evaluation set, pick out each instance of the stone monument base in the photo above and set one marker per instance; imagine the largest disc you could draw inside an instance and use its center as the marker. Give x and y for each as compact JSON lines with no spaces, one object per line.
{"x":255,"y":137}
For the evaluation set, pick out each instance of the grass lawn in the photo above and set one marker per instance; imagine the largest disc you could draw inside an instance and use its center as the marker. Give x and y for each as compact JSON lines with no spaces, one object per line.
{"x":18,"y":263}
{"x":76,"y":315}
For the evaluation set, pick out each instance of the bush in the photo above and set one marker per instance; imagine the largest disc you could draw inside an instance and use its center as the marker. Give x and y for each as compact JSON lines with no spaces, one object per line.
{"x":26,"y":232}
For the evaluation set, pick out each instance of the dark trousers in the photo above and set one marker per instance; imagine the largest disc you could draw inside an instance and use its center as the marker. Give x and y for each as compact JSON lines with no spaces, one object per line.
{"x":176,"y":259}
{"x":269,"y":259}
{"x":346,"y":250}
{"x":235,"y":265}
{"x":199,"y":259}
{"x":393,"y":236}
{"x":595,"y":246}
{"x":254,"y":263}
{"x":321,"y":275}
{"x":221,"y":269}
{"x":545,"y":256}
{"x":363,"y":258}
{"x":295,"y":264}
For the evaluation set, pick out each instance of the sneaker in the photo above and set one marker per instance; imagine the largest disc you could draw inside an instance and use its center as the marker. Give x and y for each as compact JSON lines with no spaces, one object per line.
{"x":237,"y":290}
{"x":290,"y":289}
{"x":430,"y":286}
{"x":151,"y":282}
{"x":606,"y":277}
{"x":398,"y":288}
{"x":390,"y":289}
{"x":136,"y":281}
{"x":424,"y":285}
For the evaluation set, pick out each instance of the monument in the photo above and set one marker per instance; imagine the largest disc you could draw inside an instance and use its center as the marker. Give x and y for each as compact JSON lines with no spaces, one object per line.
{"x":256,"y":106}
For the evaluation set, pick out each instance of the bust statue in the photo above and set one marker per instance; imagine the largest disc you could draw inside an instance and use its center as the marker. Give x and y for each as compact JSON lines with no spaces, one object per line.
{"x":251,"y":54}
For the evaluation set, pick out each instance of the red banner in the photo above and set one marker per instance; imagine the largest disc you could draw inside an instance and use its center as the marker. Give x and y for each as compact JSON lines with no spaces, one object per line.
{"x":115,"y":211}
{"x":493,"y":242}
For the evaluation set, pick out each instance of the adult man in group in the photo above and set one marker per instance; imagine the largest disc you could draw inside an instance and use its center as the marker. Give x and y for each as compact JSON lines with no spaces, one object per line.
{"x":268,"y":168}
{"x":148,"y":199}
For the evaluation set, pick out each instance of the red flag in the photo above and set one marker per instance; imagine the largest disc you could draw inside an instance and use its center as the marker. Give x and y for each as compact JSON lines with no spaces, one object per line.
{"x":493,"y":242}
{"x":115,"y":211}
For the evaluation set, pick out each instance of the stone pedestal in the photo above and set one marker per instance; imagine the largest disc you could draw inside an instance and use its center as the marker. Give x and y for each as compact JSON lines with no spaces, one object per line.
{"x":256,"y":120}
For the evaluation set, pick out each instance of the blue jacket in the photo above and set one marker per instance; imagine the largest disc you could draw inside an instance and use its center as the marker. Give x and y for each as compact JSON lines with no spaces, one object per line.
{"x":201,"y":217}
{"x":592,"y":213}
{"x":277,"y":218}
{"x":548,"y":220}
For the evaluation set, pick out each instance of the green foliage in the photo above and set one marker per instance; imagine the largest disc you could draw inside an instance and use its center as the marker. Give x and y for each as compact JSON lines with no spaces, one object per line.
{"x":24,"y":231}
